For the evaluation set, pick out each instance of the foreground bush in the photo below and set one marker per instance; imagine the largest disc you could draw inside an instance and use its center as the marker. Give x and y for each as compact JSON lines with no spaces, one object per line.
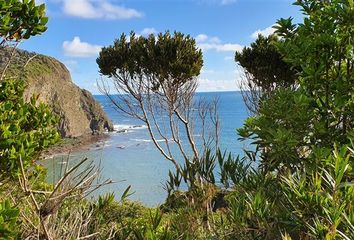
{"x":308,"y":204}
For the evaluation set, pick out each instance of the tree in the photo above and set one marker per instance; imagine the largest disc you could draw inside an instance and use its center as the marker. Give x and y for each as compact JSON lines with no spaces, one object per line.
{"x":155,"y":79}
{"x":305,"y":135}
{"x":264,"y":69}
{"x":319,"y":112}
{"x":325,"y":43}
{"x":26,"y":128}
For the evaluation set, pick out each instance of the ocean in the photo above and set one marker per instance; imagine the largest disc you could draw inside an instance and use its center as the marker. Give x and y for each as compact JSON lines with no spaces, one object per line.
{"x":129,"y":158}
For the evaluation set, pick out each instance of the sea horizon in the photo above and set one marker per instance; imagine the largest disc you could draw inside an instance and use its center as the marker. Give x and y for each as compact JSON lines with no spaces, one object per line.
{"x":222,"y":91}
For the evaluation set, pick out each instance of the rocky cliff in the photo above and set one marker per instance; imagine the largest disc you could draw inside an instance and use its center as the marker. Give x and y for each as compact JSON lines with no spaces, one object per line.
{"x":79,"y":113}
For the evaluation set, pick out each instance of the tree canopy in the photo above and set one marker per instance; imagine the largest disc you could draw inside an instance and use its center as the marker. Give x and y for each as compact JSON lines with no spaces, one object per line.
{"x":263,"y":61}
{"x":264,"y":71}
{"x":319,"y":113}
{"x":322,"y":47}
{"x":303,"y":137}
{"x":167,"y":57}
{"x":21,"y":19}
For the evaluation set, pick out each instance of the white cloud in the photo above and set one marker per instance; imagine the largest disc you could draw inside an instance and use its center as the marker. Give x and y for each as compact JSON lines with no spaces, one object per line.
{"x":201,"y":38}
{"x":207,"y":85}
{"x":98,"y":9}
{"x":228,"y":47}
{"x":214,"y":40}
{"x":220,"y":80}
{"x":148,"y":31}
{"x":80,"y":8}
{"x":226,"y":2}
{"x":206,"y":43}
{"x":76,"y":48}
{"x":265,"y":32}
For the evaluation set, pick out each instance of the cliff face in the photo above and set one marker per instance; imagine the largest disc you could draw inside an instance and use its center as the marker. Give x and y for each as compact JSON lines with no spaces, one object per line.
{"x":79,"y":113}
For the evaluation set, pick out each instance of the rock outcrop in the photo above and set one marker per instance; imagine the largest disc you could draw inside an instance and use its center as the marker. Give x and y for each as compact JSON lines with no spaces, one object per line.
{"x":79,"y":112}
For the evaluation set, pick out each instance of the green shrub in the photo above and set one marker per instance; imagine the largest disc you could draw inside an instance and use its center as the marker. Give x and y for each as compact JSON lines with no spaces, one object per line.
{"x":8,"y":218}
{"x":26,"y":128}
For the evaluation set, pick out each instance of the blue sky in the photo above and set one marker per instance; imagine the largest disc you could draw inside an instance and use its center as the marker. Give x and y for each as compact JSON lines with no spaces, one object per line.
{"x":77,"y":29}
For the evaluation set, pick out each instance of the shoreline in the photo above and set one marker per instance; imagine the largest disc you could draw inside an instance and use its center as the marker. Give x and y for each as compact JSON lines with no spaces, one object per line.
{"x":75,"y":144}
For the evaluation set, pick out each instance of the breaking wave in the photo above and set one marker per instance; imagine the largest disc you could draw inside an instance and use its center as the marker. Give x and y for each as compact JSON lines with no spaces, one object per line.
{"x":127,"y":127}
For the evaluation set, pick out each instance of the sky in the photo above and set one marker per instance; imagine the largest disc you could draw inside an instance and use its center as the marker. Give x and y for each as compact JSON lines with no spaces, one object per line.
{"x":77,"y":29}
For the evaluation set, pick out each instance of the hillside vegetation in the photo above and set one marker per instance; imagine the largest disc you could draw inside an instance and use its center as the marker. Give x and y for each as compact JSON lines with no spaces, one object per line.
{"x":51,"y":81}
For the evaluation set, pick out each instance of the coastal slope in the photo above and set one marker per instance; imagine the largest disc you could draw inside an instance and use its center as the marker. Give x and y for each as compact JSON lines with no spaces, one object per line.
{"x":48,"y":78}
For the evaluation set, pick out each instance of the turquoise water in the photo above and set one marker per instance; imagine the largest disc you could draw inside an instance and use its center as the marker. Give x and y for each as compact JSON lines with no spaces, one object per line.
{"x":130,"y":158}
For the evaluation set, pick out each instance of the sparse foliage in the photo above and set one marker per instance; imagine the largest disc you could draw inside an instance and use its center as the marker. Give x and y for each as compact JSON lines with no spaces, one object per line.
{"x":155,"y":78}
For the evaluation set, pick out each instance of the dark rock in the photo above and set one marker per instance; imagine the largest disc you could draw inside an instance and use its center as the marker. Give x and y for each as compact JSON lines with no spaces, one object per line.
{"x":219,"y":201}
{"x":98,"y":119}
{"x":122,"y":131}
